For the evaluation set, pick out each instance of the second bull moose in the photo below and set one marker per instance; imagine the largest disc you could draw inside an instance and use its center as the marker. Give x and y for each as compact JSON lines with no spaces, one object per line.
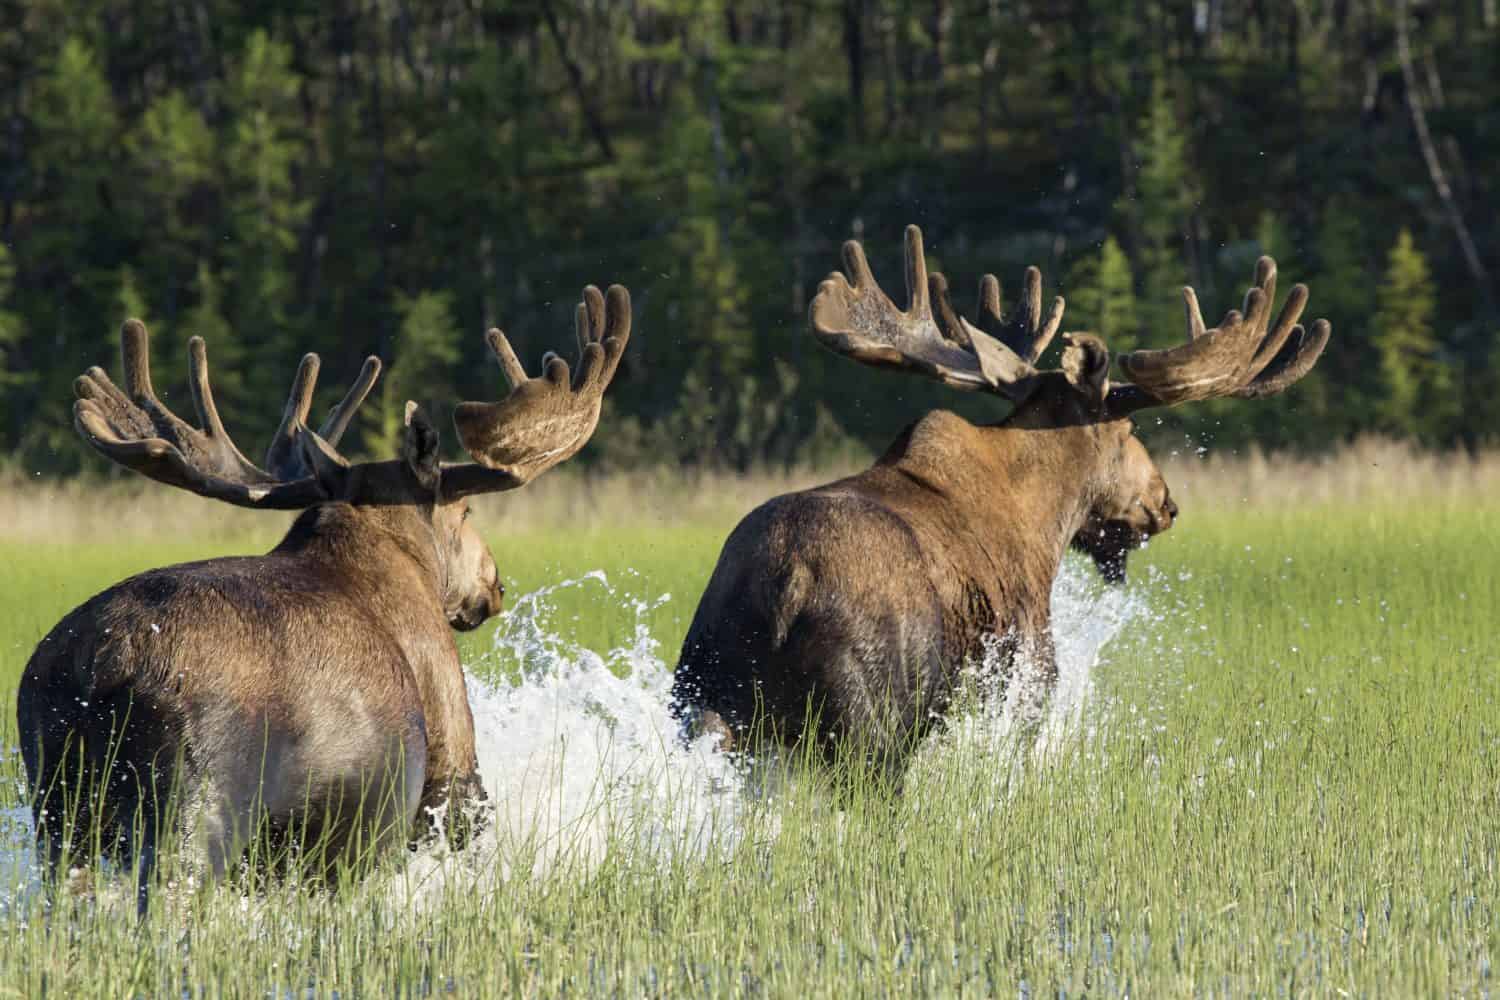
{"x":314,"y":693}
{"x":847,"y":611}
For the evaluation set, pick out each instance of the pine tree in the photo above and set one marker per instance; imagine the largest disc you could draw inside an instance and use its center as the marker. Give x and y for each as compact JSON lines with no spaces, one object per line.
{"x":75,"y":117}
{"x":1164,"y":198}
{"x":426,"y":353}
{"x":1341,"y":286}
{"x":1418,"y":392}
{"x":72,"y":252}
{"x":1343,"y":274}
{"x":1101,"y":297}
{"x":263,"y":204}
{"x":171,"y":154}
{"x":76,"y":128}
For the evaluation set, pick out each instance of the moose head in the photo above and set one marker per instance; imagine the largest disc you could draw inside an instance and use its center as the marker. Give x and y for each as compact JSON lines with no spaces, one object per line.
{"x":1247,"y":356}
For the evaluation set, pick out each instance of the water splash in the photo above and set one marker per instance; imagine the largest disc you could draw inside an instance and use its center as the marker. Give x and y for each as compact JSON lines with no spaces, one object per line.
{"x":20,"y":875}
{"x":994,"y":729}
{"x":582,"y":759}
{"x":581,"y":756}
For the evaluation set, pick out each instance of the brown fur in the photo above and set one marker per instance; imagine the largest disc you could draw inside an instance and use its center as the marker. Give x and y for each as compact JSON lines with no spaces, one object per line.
{"x":1140,"y":507}
{"x":290,"y":689}
{"x":858,"y":602}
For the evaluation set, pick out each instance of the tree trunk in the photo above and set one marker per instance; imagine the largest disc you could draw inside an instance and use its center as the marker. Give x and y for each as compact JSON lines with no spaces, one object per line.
{"x":586,"y":103}
{"x":1434,"y":165}
{"x":854,"y":51}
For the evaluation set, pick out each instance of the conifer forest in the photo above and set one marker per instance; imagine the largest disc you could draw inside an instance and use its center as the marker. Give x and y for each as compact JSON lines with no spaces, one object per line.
{"x":394,"y":176}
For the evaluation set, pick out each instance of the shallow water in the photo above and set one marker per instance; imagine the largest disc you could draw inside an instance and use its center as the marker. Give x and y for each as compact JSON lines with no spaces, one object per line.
{"x":582,"y":756}
{"x":582,"y":759}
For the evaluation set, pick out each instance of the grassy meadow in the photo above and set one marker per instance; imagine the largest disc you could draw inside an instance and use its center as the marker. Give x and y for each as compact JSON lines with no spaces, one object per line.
{"x":1286,"y":780}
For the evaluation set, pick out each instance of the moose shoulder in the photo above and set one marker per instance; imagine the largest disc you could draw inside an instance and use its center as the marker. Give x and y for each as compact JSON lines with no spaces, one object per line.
{"x":847,"y":611}
{"x":315,"y":691}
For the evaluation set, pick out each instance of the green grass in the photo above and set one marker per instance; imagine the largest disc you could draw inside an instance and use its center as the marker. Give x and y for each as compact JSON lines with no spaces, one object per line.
{"x":1291,"y":789}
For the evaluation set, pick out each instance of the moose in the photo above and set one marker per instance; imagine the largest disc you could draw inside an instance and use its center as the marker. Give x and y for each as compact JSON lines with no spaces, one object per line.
{"x":847,"y":613}
{"x":315,"y":693}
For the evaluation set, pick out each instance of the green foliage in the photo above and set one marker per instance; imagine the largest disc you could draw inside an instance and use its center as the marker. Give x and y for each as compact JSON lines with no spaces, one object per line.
{"x":131,"y":301}
{"x":1159,"y":213}
{"x":12,"y":327}
{"x":1285,"y":785}
{"x":75,"y":116}
{"x":1418,"y":394}
{"x":263,"y":207}
{"x":302,"y":174}
{"x":229,"y":356}
{"x":1101,"y":297}
{"x":426,"y":351}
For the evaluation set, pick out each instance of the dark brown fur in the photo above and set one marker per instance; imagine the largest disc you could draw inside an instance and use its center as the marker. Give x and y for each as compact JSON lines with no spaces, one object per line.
{"x":859,"y":602}
{"x":295,"y":689}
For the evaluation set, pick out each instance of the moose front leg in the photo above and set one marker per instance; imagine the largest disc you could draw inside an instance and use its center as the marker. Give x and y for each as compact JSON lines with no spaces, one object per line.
{"x":454,"y":808}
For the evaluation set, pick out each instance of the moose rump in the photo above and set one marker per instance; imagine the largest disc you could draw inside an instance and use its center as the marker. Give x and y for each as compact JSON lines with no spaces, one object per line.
{"x":154,"y":705}
{"x":826,"y":616}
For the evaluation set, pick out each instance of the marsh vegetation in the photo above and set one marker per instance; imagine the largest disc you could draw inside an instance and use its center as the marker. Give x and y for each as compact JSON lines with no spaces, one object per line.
{"x":1272,"y":768}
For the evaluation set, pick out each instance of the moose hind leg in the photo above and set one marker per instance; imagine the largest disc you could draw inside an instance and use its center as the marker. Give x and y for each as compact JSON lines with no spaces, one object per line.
{"x":102,"y":784}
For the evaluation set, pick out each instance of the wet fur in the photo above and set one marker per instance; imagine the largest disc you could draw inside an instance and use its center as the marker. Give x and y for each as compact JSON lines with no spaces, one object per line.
{"x":851,"y":608}
{"x":316,"y":689}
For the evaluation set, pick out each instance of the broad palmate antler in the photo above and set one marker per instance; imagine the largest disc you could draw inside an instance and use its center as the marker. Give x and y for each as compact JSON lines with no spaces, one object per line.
{"x":1245,"y":356}
{"x":543,"y":421}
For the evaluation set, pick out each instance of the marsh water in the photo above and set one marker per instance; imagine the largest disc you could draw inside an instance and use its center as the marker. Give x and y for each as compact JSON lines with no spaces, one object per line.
{"x":582,"y":759}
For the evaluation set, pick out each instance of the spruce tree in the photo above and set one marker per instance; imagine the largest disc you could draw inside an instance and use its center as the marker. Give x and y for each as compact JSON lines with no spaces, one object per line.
{"x":264,"y":210}
{"x":1164,"y":198}
{"x":423,"y":360}
{"x":172,"y":173}
{"x":1418,"y":396}
{"x":1101,"y":297}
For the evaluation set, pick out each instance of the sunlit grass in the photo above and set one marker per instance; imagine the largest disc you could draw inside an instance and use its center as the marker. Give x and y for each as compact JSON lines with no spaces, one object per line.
{"x":1291,"y":787}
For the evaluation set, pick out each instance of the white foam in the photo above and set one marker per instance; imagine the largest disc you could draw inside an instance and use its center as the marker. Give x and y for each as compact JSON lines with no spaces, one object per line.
{"x":582,"y":759}
{"x":982,"y":733}
{"x":581,"y":755}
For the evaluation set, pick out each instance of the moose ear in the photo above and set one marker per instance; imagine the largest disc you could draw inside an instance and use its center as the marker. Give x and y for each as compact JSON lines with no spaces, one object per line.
{"x":327,"y":465}
{"x":420,"y":448}
{"x":1085,"y":361}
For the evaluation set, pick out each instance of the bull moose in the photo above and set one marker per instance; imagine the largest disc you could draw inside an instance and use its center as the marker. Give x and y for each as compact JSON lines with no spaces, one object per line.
{"x":847,"y":612}
{"x":316,"y":690}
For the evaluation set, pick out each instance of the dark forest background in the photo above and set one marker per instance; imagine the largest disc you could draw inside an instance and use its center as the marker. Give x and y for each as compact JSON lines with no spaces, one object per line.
{"x":392,"y":176}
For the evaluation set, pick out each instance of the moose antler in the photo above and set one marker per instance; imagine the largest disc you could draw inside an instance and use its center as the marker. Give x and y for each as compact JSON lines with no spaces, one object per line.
{"x":854,"y":317}
{"x":1246,"y":356}
{"x":544,"y":420}
{"x":135,"y":429}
